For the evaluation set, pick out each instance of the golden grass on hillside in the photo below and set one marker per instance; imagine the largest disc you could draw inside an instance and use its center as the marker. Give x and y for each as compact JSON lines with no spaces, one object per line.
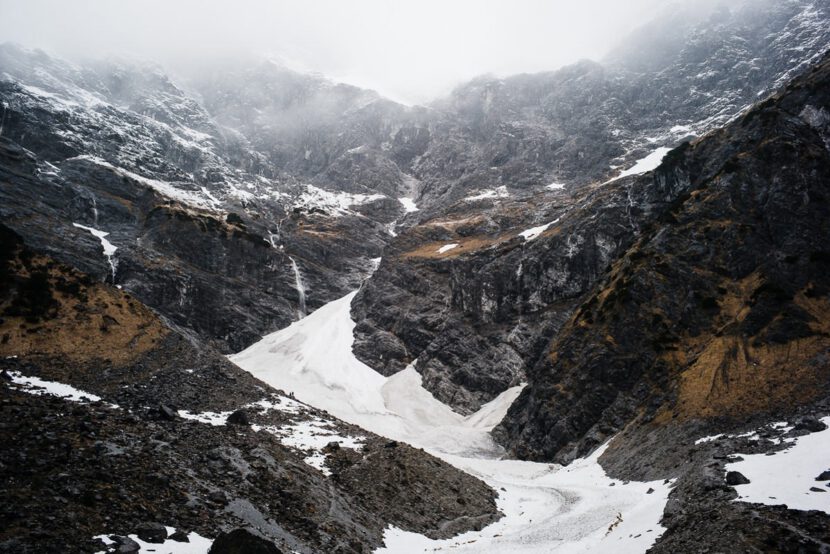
{"x":92,"y":323}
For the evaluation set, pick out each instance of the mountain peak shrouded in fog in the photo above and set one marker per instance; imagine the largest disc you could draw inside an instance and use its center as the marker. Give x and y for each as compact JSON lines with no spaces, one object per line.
{"x":410,"y":51}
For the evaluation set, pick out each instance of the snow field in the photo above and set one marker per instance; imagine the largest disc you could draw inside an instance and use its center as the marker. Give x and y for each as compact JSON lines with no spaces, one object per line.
{"x":547,"y":508}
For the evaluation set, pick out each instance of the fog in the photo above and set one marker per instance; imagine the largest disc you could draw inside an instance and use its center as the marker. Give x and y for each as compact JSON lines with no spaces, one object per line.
{"x":411,"y":50}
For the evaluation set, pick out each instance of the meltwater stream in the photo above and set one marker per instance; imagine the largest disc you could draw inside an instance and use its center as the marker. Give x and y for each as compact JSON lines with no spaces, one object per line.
{"x":547,"y":508}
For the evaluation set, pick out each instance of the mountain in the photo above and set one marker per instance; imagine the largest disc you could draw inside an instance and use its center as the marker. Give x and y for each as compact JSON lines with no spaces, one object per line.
{"x":476,"y":318}
{"x":581,"y":309}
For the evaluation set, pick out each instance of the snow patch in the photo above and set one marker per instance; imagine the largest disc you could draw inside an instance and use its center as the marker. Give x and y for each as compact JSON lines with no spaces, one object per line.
{"x":787,"y":476}
{"x":710,"y":438}
{"x":447,"y":248}
{"x":38,"y":386}
{"x":644,"y":165}
{"x":555,"y":186}
{"x":409,"y":205}
{"x":196,"y":544}
{"x":162,"y":187}
{"x":337,"y":203}
{"x":109,"y":248}
{"x":311,"y":436}
{"x":533,"y":232}
{"x":500,"y":192}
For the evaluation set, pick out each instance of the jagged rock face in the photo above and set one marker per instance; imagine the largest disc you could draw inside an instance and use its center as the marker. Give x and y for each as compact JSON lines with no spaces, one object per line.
{"x":339,"y":136}
{"x":570,"y":125}
{"x":252,"y":140}
{"x":720,"y":308}
{"x":82,"y":469}
{"x":226,"y":280}
{"x":475,"y":318}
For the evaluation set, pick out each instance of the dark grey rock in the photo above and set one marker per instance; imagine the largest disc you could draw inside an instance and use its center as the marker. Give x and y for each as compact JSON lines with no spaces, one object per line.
{"x":736,"y":478}
{"x":151,"y":532}
{"x":243,"y":541}
{"x":239,"y":417}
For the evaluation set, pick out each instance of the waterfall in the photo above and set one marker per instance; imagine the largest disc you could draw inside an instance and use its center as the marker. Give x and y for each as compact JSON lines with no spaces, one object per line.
{"x":94,"y":211}
{"x":298,"y":283}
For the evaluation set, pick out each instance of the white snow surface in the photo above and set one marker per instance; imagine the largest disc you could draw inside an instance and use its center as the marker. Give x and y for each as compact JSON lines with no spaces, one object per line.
{"x":312,"y":436}
{"x":786,"y":476}
{"x":447,"y":247}
{"x":499,"y":192}
{"x":533,"y":232}
{"x":547,"y":508}
{"x":337,"y":203}
{"x":197,"y":544}
{"x":38,"y":386}
{"x":109,"y":248}
{"x":643,"y":165}
{"x":409,"y":205}
{"x":162,"y":187}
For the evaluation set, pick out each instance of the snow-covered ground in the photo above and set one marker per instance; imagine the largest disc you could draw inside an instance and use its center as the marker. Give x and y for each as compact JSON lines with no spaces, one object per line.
{"x":533,"y":232}
{"x":196,"y":544}
{"x":336,"y":203}
{"x":408,"y":204}
{"x":787,"y":476}
{"x":547,"y":508}
{"x":498,"y":192}
{"x":643,"y":165}
{"x":38,"y":386}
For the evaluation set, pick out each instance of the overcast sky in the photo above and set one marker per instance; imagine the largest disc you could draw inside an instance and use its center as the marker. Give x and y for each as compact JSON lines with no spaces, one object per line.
{"x":409,"y":50}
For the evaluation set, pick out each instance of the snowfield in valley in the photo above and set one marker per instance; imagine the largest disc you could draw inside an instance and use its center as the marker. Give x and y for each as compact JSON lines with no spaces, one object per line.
{"x":547,"y":507}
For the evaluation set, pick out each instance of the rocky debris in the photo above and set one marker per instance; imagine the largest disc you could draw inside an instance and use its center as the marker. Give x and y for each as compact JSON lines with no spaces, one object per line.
{"x":824,"y":476}
{"x":82,"y":468}
{"x":438,"y":510}
{"x":151,"y":532}
{"x":810,"y":424}
{"x":125,"y":545}
{"x":243,"y":541}
{"x":167,"y":412}
{"x":735,"y":478}
{"x":180,"y":536}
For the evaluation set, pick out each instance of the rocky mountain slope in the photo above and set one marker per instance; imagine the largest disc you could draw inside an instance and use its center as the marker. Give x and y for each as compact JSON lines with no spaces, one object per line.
{"x":475,"y":318}
{"x":718,"y":309}
{"x":142,"y":438}
{"x":317,"y":168}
